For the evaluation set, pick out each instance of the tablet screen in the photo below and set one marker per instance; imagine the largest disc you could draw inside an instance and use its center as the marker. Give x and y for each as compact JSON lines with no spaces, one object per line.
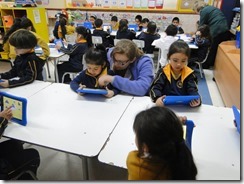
{"x":16,"y":105}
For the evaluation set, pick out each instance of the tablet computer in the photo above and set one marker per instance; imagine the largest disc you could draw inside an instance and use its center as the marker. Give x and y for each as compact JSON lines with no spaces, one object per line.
{"x":179,"y":100}
{"x":237,"y":119}
{"x":18,"y":104}
{"x":92,"y":91}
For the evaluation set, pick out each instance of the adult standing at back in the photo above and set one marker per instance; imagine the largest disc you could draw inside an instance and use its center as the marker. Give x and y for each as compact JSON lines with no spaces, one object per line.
{"x":217,"y":22}
{"x":133,"y":69}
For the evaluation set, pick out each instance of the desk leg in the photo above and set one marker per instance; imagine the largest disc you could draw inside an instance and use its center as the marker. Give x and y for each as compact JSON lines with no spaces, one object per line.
{"x":56,"y":70}
{"x":85,"y":168}
{"x":48,"y":70}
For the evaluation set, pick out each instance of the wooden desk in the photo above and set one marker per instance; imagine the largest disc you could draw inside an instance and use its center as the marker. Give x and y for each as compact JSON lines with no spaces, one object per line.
{"x":60,"y":119}
{"x":215,"y":140}
{"x":227,"y":73}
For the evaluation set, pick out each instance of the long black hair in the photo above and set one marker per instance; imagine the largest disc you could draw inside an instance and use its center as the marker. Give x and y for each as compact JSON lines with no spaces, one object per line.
{"x":162,"y":132}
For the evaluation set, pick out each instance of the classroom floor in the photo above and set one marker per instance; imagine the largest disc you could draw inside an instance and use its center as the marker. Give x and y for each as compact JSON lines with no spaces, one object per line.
{"x":59,"y":166}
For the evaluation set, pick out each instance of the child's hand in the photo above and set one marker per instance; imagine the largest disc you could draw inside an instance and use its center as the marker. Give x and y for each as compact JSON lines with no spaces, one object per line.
{"x":7,"y":113}
{"x":182,"y":119}
{"x":110,"y":93}
{"x":57,"y":46}
{"x":65,"y":42}
{"x":159,"y":101}
{"x":198,"y":33}
{"x":81,"y":87}
{"x":5,"y":83}
{"x":195,"y":103}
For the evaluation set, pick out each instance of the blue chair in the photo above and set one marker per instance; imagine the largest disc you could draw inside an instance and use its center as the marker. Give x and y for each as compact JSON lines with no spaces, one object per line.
{"x":189,"y":129}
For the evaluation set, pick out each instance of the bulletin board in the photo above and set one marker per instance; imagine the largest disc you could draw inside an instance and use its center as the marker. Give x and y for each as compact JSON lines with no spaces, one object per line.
{"x":52,"y":4}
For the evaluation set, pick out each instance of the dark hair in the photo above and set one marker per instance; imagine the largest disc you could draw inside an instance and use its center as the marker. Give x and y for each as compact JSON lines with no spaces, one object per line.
{"x":25,"y":23}
{"x":96,"y":56}
{"x":114,"y":18}
{"x":176,"y":18}
{"x":86,"y":33}
{"x":123,"y":25}
{"x":151,"y":27}
{"x":162,"y":132}
{"x":94,"y":16}
{"x":98,"y":22}
{"x":171,"y":30}
{"x":179,"y":46}
{"x":205,"y":31}
{"x":16,"y":25}
{"x":23,"y":39}
{"x":145,"y":20}
{"x":62,"y":24}
{"x":139,"y":17}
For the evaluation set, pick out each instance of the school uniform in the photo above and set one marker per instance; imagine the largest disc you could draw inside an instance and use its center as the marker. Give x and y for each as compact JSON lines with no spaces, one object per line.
{"x":180,"y":30}
{"x":107,"y":40}
{"x":148,"y":39}
{"x":126,"y":34}
{"x":89,"y":81}
{"x":165,"y":83}
{"x":28,"y":67}
{"x":74,"y":64}
{"x":144,"y":169}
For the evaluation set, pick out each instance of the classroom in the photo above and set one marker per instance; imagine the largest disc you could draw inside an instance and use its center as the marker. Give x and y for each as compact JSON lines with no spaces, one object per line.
{"x":76,"y":76}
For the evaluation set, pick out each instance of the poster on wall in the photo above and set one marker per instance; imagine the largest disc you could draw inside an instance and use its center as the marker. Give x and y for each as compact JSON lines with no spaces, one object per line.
{"x":187,"y":5}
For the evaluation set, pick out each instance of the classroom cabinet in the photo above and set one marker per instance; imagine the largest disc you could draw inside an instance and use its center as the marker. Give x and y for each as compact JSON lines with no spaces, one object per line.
{"x":227,"y":73}
{"x":37,"y":15}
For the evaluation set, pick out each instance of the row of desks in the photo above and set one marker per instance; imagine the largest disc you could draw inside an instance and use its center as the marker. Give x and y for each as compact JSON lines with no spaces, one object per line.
{"x":60,"y":119}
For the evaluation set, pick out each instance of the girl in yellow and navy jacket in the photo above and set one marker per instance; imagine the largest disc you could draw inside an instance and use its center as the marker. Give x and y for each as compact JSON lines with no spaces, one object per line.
{"x":176,"y":78}
{"x":97,"y":65}
{"x":27,"y":66}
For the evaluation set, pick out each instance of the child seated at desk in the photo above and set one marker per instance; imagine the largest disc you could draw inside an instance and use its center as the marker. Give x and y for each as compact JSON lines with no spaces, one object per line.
{"x":176,"y":22}
{"x":149,"y":36}
{"x":97,"y":66}
{"x":162,"y":153}
{"x":27,"y":66}
{"x":75,"y":52}
{"x":176,"y":78}
{"x":114,"y":23}
{"x":124,"y":32}
{"x":202,"y":39}
{"x":107,"y":40}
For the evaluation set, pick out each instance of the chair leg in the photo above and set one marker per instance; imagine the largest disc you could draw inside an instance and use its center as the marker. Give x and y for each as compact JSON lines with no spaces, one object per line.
{"x":64,"y":76}
{"x":201,"y":70}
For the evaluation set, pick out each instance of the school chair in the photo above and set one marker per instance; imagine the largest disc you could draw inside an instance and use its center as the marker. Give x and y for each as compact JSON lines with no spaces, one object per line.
{"x":72,"y":75}
{"x":140,"y":43}
{"x":4,"y":58}
{"x":97,"y":40}
{"x":189,"y":129}
{"x":200,"y":63}
{"x":116,"y":41}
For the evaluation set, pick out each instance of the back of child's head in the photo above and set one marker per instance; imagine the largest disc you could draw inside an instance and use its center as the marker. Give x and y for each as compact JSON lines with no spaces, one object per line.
{"x":161,"y":131}
{"x":96,"y":56}
{"x":145,"y":20}
{"x":171,"y":30}
{"x":151,"y":27}
{"x":23,"y":39}
{"x":114,"y":18}
{"x":26,"y":23}
{"x":86,"y":33}
{"x":123,"y":24}
{"x":128,"y":48}
{"x":98,"y":22}
{"x":205,"y":30}
{"x":179,"y":46}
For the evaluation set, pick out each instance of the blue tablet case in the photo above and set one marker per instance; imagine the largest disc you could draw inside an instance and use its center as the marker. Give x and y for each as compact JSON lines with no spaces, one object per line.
{"x":93,"y":91}
{"x":88,"y":25}
{"x":133,"y":27}
{"x":237,"y":118}
{"x":19,"y":106}
{"x":179,"y":100}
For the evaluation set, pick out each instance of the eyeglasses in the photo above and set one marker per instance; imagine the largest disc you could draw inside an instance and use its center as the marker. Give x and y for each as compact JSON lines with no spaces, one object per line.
{"x":122,"y":63}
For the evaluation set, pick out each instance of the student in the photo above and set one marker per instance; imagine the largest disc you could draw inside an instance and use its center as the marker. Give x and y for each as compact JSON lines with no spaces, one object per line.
{"x":175,"y":78}
{"x":138,"y":20}
{"x":133,"y":69}
{"x":75,"y":52}
{"x":124,"y":32}
{"x":114,"y":23}
{"x":64,"y":28}
{"x":97,"y":66}
{"x":12,"y":154}
{"x":149,"y":36}
{"x":219,"y":29}
{"x":55,"y":30}
{"x":27,"y":24}
{"x":27,"y":66}
{"x":92,"y":20}
{"x":203,"y":41}
{"x":144,"y":23}
{"x":162,"y":153}
{"x":107,"y":40}
{"x":164,"y":43}
{"x":176,"y":22}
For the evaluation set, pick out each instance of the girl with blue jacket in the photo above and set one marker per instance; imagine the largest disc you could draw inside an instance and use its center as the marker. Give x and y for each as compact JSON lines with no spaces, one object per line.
{"x":133,"y":69}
